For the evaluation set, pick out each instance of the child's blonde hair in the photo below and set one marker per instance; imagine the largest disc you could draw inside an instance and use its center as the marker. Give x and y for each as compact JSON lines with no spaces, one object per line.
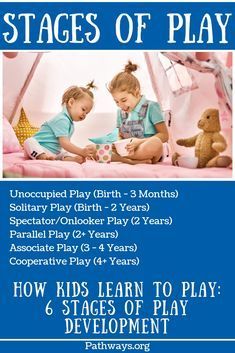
{"x":125,"y":81}
{"x":78,"y":92}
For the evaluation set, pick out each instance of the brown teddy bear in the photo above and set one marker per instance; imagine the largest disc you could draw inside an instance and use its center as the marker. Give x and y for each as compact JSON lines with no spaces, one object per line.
{"x":208,"y":144}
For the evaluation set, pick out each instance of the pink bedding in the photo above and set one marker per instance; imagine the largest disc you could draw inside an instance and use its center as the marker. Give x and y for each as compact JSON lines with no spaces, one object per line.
{"x":15,"y":165}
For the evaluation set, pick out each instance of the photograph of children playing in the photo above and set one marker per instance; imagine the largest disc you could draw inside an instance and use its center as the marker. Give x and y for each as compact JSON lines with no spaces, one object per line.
{"x":134,"y":118}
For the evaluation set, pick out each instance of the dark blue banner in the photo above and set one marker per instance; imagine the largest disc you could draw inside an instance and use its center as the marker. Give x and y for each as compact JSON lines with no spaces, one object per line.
{"x":146,"y":266}
{"x":143,"y":26}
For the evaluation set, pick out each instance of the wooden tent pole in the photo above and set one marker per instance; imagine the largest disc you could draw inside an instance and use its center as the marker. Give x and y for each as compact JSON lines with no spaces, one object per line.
{"x":25,"y":85}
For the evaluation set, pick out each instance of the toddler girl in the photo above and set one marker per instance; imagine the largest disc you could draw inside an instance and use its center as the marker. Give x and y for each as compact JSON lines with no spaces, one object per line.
{"x":138,"y":118}
{"x":54,"y":135}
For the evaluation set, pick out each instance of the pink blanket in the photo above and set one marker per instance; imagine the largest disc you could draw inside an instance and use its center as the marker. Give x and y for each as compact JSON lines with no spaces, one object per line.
{"x":15,"y":165}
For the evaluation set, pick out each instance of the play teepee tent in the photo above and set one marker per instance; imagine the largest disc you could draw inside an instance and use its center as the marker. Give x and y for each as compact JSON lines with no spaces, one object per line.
{"x":186,"y":86}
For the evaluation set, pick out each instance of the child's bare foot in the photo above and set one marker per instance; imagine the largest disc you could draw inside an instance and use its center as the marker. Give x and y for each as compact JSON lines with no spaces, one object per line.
{"x":145,"y":161}
{"x":155,"y":160}
{"x":44,"y":156}
{"x":117,"y":158}
{"x":78,"y":159}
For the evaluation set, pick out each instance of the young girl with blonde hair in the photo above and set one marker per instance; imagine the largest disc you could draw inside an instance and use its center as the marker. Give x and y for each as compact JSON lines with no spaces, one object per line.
{"x":54,"y":135}
{"x":137,"y":118}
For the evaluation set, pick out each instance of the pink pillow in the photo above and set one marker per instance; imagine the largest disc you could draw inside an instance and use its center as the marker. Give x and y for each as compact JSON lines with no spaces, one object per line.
{"x":10,"y":141}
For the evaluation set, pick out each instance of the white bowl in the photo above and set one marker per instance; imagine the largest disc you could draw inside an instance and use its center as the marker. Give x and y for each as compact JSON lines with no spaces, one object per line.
{"x":121,"y":146}
{"x":187,"y":162}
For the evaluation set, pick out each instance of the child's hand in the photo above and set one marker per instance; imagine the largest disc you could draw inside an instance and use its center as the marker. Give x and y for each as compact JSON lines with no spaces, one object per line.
{"x":133,"y":145}
{"x":114,"y":148}
{"x":89,"y":151}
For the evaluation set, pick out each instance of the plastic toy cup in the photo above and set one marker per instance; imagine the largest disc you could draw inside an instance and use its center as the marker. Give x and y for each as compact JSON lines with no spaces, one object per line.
{"x":103,"y":152}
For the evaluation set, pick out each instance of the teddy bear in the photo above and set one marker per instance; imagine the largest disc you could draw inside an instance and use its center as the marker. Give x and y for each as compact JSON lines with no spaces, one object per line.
{"x":208,"y":144}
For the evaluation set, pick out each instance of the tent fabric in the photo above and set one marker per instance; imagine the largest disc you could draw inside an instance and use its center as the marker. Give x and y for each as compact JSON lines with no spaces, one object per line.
{"x":214,"y":90}
{"x":181,"y":80}
{"x":223,"y":77}
{"x":17,"y":74}
{"x":26,"y":84}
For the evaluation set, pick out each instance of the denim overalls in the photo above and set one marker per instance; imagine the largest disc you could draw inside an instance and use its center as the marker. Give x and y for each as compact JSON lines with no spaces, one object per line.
{"x":133,"y":128}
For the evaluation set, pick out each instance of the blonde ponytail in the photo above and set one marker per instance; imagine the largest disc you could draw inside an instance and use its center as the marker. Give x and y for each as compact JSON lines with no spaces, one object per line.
{"x":125,"y":80}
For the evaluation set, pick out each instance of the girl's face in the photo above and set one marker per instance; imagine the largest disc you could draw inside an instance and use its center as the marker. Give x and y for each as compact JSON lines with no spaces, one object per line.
{"x":126,"y":101}
{"x":79,"y":108}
